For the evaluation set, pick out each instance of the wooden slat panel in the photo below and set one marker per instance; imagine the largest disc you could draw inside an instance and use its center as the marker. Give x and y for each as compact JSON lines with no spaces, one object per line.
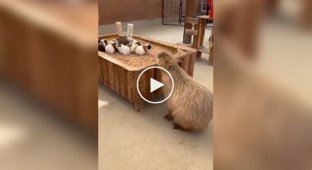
{"x":204,"y":50}
{"x":150,"y":74}
{"x":105,"y":72}
{"x":130,"y":78}
{"x":192,"y":63}
{"x":191,"y":32}
{"x":116,"y":78}
{"x":157,"y":74}
{"x":111,"y":75}
{"x":142,"y":86}
{"x":210,"y":61}
{"x":123,"y":82}
{"x":192,"y":21}
{"x":101,"y":78}
{"x":138,"y":101}
{"x":196,"y":39}
{"x":202,"y":25}
{"x":185,"y":63}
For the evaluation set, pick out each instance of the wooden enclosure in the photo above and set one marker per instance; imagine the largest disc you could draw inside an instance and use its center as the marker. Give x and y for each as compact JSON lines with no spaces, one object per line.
{"x":120,"y":73}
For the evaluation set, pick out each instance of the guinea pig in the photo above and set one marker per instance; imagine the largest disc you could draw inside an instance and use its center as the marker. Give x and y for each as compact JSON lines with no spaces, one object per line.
{"x":191,"y":104}
{"x":134,"y":45}
{"x":111,"y":47}
{"x":123,"y":49}
{"x":101,"y":45}
{"x":141,"y":50}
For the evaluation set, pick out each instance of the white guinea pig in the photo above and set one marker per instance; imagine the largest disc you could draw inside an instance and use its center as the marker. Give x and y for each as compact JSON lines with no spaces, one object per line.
{"x":123,"y":49}
{"x":110,"y":47}
{"x":134,"y":45}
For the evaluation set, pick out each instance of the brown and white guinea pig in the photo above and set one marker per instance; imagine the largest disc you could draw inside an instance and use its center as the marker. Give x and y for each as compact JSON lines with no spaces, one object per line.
{"x":141,"y":50}
{"x":134,"y":45}
{"x":191,"y":103}
{"x":111,"y":47}
{"x":101,"y":45}
{"x":123,"y":49}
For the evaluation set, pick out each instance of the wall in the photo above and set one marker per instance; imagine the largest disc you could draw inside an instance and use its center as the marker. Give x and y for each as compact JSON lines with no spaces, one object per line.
{"x":111,"y":11}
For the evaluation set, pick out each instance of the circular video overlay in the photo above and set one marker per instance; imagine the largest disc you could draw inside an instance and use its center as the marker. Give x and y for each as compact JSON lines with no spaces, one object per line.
{"x":155,"y":85}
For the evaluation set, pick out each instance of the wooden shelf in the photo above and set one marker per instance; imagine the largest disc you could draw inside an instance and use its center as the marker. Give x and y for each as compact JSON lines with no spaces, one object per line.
{"x":186,"y":45}
{"x":204,"y":50}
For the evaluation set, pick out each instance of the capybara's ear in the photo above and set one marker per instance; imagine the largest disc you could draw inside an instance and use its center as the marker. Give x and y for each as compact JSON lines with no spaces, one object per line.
{"x":163,"y":55}
{"x":179,"y":61}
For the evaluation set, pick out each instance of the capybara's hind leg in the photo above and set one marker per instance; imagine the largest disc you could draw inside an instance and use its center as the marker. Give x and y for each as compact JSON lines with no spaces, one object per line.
{"x":168,"y":116}
{"x":178,"y":127}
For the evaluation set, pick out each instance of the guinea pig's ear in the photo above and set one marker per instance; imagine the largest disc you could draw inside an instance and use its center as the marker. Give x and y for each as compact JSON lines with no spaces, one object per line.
{"x":148,"y":46}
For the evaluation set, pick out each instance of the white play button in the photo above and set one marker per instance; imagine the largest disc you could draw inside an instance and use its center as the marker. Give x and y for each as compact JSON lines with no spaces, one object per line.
{"x":154,"y":85}
{"x":148,"y":85}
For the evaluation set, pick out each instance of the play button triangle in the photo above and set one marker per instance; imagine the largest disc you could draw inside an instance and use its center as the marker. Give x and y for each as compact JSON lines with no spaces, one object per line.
{"x":154,"y":85}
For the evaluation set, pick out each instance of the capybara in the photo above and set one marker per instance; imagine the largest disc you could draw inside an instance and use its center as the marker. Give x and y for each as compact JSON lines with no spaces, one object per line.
{"x":191,"y":103}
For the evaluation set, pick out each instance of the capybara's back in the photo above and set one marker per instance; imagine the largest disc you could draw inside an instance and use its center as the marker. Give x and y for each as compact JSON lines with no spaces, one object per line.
{"x":191,"y":103}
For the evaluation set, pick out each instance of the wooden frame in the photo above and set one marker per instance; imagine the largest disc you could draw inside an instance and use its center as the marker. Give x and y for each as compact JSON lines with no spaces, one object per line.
{"x":121,"y":77}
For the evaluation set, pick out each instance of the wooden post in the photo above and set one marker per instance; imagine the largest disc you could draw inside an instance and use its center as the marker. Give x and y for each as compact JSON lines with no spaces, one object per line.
{"x":210,"y":61}
{"x":306,"y":15}
{"x":190,"y":11}
{"x":272,"y":5}
{"x":240,"y":24}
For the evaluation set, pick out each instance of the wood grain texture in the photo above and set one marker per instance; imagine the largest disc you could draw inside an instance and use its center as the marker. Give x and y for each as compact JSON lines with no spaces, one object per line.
{"x":185,"y":63}
{"x":191,"y":32}
{"x":120,"y":72}
{"x":191,"y":20}
{"x":192,"y":64}
{"x":111,"y":75}
{"x":105,"y":72}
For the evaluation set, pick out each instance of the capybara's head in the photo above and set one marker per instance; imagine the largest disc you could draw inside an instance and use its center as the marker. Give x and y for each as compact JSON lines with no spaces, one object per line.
{"x":165,"y":60}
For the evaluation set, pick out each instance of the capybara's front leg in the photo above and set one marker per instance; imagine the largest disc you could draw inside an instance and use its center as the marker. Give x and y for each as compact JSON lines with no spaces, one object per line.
{"x":168,"y":116}
{"x":178,"y":127}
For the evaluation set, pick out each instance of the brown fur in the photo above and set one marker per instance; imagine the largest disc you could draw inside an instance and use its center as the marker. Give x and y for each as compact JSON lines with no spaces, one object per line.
{"x":123,"y":40}
{"x":191,"y":102}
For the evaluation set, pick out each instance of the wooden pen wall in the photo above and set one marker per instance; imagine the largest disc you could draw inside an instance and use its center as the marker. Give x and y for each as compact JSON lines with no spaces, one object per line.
{"x":121,"y":10}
